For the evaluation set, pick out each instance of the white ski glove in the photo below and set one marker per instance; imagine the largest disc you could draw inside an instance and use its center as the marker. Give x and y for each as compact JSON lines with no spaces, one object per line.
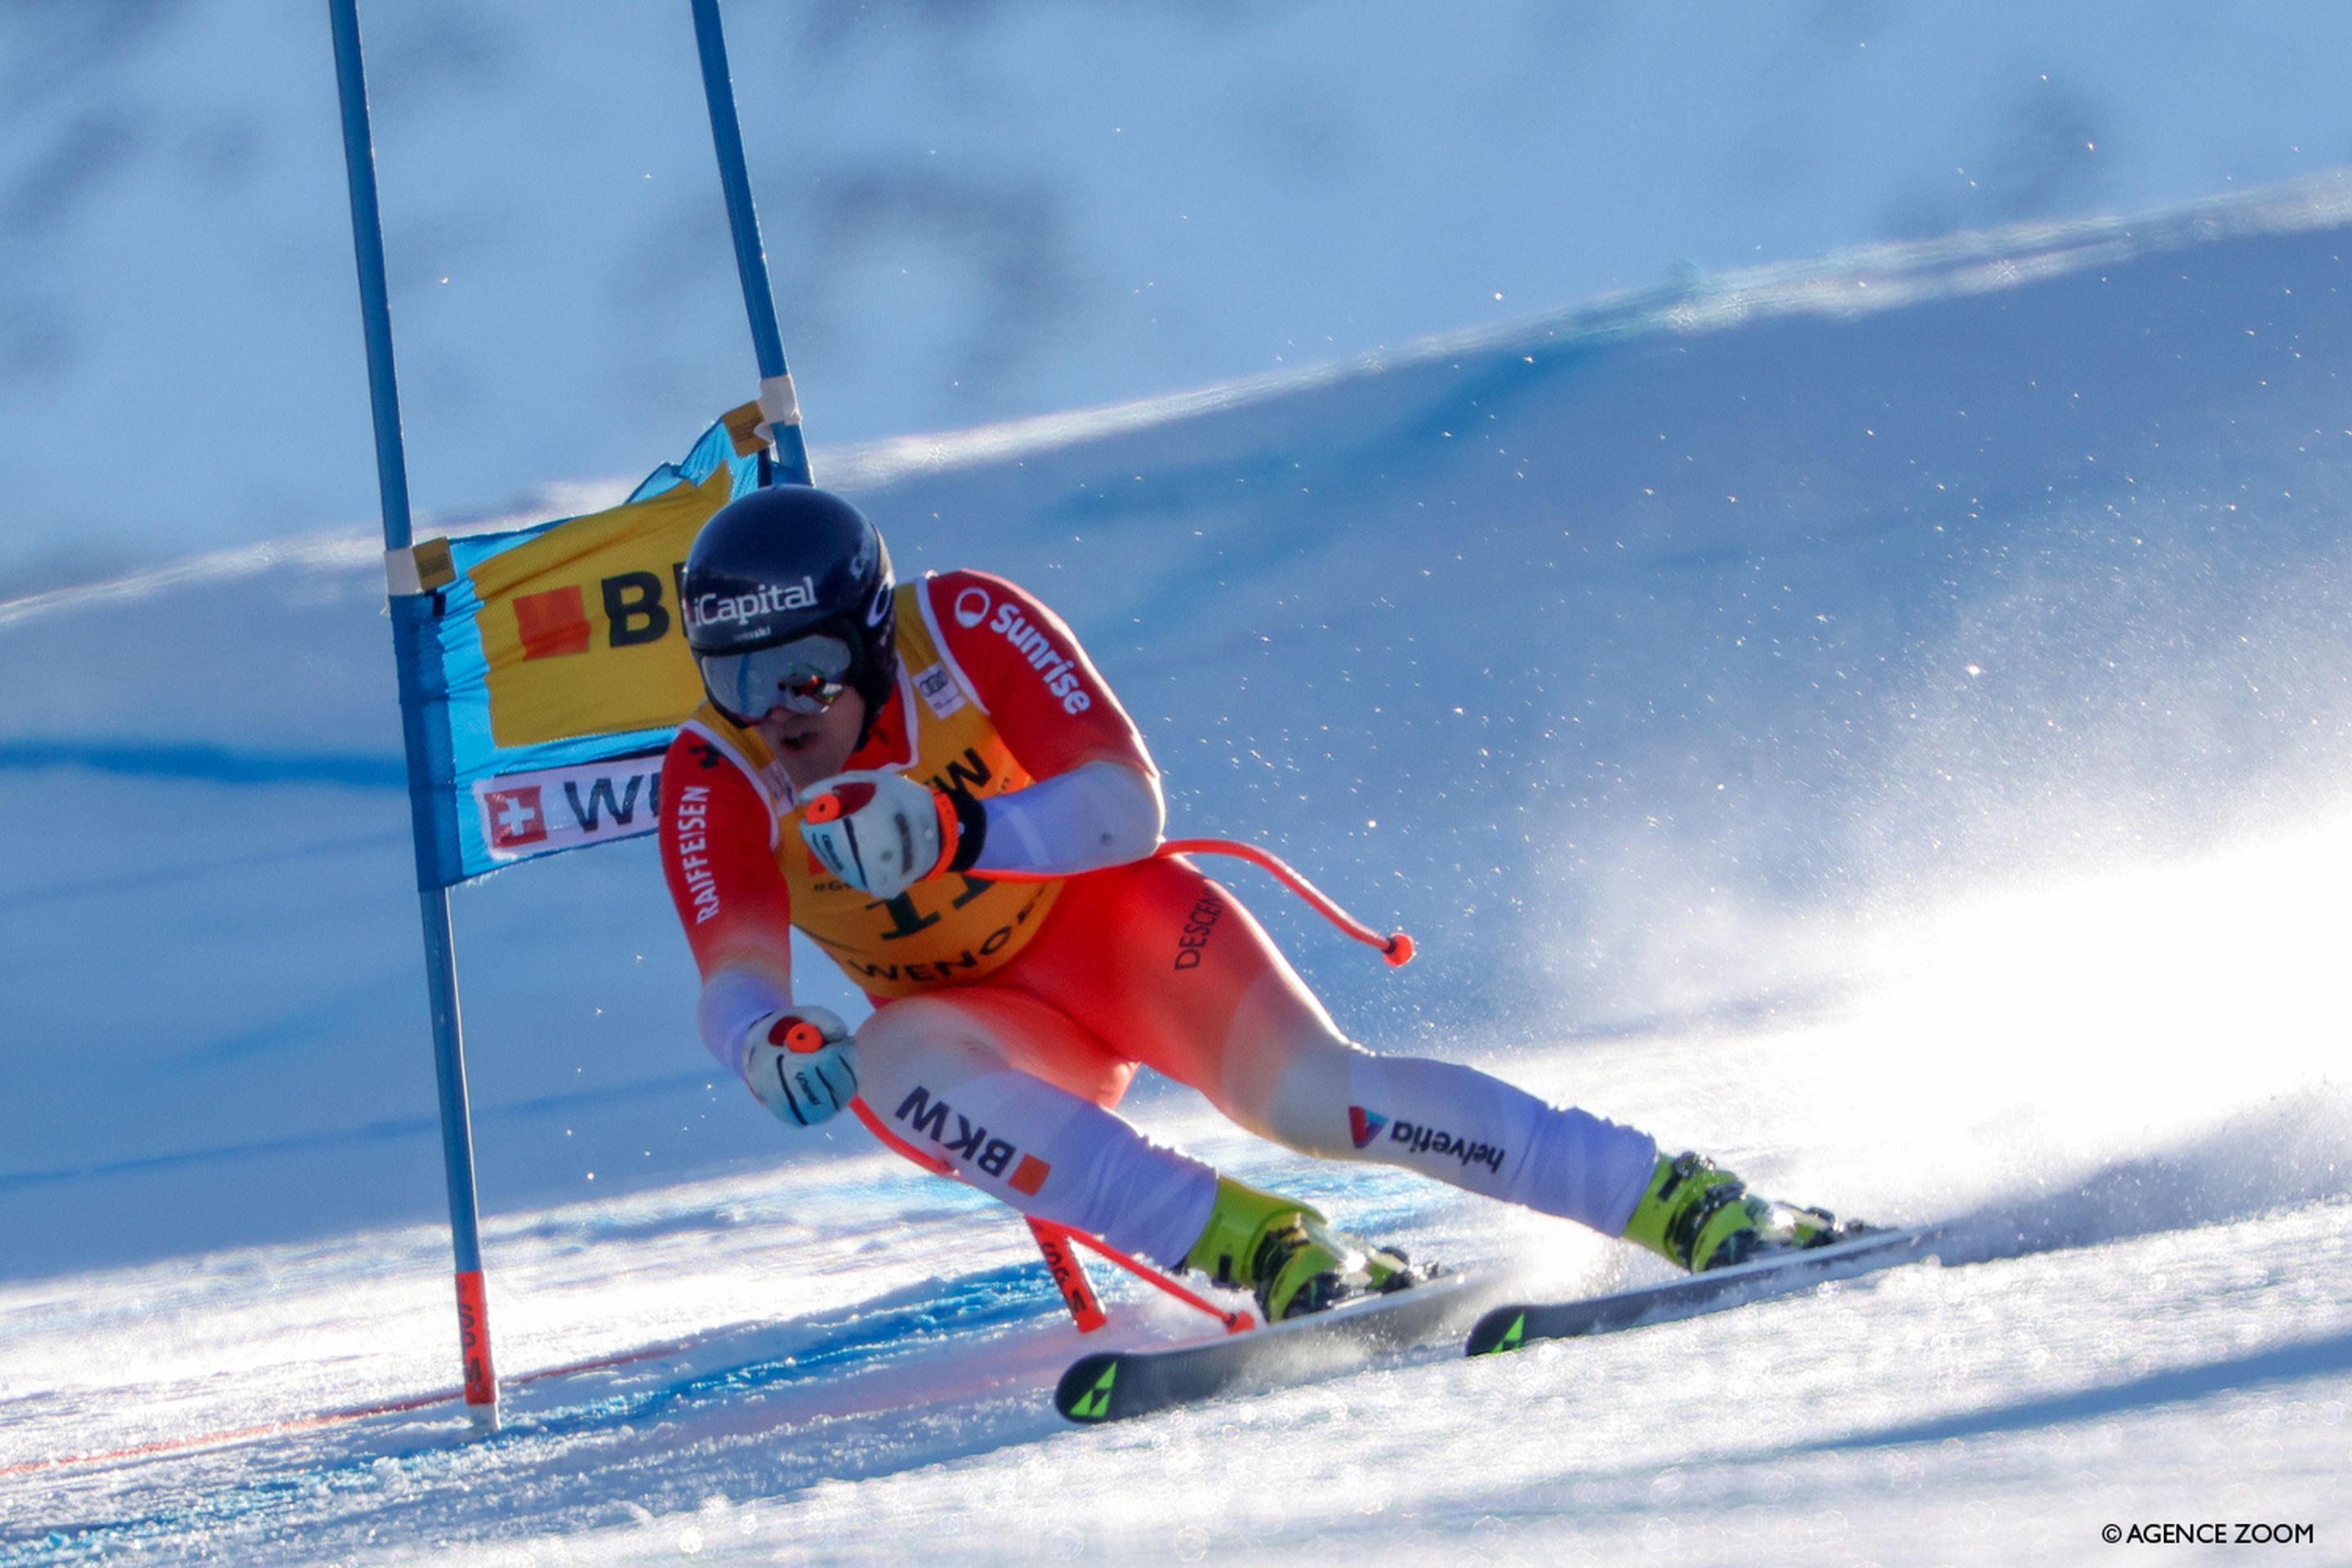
{"x":801,"y":1064}
{"x":883,"y":833}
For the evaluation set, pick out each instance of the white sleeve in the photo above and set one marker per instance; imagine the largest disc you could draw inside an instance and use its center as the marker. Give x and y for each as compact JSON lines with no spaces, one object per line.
{"x":1100,"y":814}
{"x":732,"y":1001}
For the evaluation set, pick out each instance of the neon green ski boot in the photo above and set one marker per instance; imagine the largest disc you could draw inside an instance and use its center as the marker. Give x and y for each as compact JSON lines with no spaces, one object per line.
{"x":1289,"y":1255}
{"x":1701,"y":1216}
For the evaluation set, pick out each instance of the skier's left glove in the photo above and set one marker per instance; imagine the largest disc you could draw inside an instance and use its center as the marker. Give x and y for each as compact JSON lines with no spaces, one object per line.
{"x":803,"y":1064}
{"x":883,"y":833}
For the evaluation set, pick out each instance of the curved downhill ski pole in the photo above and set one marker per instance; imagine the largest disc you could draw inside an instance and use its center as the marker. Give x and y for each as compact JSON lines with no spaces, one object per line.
{"x":780,"y":404}
{"x":1068,"y":1271}
{"x":1396,"y":947}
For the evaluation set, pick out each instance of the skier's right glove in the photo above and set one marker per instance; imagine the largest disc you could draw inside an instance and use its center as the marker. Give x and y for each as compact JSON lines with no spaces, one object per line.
{"x":803,"y":1064}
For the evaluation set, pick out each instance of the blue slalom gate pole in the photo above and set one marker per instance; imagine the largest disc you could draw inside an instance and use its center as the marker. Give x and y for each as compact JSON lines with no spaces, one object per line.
{"x":411,"y":614}
{"x":778,"y":401}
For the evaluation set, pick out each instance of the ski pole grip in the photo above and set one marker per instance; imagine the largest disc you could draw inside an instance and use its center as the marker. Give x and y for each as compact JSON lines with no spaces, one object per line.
{"x":798,"y":1036}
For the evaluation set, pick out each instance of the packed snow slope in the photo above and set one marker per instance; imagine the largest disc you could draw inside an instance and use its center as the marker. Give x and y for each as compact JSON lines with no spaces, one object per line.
{"x":973,"y":211}
{"x":1881,"y":721}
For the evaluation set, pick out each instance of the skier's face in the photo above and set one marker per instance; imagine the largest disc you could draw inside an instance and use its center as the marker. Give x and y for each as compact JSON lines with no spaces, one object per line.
{"x":813,"y":746}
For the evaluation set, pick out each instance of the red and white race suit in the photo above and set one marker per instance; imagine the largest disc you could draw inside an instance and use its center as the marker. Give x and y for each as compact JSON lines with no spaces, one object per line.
{"x":1011,"y":1015}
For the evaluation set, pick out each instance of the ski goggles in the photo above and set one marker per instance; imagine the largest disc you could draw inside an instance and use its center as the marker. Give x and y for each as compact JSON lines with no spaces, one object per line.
{"x":807,"y":674}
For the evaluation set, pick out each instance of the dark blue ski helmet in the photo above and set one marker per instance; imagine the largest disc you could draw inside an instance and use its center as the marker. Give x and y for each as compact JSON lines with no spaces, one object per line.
{"x":783,"y":565}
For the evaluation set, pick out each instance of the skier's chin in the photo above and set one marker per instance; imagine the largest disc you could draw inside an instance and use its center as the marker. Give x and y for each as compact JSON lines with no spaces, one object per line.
{"x":806,"y":764}
{"x":813,"y":747}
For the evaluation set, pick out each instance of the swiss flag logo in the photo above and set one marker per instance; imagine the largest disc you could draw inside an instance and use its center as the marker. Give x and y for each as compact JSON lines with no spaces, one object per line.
{"x":515,"y":816}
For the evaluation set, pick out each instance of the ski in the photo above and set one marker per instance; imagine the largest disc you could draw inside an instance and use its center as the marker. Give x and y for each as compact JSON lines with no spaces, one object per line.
{"x":1111,"y":1385}
{"x":1506,"y":1327}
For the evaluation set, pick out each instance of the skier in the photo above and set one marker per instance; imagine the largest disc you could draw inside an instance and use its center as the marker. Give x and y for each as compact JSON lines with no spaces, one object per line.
{"x":932,"y":781}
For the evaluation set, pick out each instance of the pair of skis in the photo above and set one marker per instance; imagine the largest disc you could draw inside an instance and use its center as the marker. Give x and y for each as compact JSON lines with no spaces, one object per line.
{"x":1111,"y":1385}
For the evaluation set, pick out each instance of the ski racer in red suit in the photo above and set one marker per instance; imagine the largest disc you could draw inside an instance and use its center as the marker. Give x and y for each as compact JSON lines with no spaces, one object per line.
{"x":869,"y":753}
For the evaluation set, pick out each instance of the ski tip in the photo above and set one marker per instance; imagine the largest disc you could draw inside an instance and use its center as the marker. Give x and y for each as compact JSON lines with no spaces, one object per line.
{"x":1087,"y":1391}
{"x":1503,"y":1329}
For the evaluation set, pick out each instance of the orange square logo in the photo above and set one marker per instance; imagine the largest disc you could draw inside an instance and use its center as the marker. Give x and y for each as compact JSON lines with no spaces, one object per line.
{"x":1030,"y":1175}
{"x":552,"y":623}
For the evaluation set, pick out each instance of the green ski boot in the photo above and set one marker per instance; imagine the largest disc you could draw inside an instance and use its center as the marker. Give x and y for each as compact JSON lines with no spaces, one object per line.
{"x":1701,"y":1216}
{"x":1289,"y":1255}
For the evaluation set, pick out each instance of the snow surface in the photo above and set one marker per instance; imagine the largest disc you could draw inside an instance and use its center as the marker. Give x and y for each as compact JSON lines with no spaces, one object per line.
{"x":1881,"y":721}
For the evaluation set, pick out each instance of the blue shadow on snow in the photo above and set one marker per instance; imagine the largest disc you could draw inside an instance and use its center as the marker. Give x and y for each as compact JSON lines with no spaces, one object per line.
{"x":2285,"y":1364}
{"x":206,"y":764}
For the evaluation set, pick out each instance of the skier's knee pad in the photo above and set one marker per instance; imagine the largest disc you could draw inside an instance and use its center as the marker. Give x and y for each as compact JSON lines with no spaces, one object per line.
{"x":1299,"y":1095}
{"x":915,"y":1042}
